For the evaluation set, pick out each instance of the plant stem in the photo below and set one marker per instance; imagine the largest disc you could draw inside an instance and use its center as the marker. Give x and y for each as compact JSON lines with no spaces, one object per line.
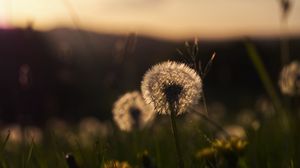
{"x":204,"y":103}
{"x":175,"y":135}
{"x":284,"y":43}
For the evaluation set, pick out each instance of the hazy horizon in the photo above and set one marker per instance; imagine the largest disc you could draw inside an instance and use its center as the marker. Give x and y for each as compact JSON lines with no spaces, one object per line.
{"x":157,"y":18}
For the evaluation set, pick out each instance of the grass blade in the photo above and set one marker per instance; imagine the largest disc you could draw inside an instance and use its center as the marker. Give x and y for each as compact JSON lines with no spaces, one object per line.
{"x":263,"y":75}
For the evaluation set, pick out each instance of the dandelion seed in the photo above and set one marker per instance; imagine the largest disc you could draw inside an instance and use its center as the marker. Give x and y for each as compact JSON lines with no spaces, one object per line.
{"x":171,"y":83}
{"x":130,"y":111}
{"x":289,"y":81}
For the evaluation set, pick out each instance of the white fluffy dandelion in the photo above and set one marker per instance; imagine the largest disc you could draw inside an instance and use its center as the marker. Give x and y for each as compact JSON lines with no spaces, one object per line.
{"x":171,"y":84}
{"x":289,"y":80}
{"x":131,"y":111}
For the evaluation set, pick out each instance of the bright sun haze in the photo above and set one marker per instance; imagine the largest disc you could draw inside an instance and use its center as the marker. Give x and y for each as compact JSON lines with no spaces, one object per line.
{"x":173,"y":19}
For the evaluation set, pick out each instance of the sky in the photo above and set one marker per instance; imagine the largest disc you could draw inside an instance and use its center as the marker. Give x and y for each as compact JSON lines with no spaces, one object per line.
{"x":170,"y":19}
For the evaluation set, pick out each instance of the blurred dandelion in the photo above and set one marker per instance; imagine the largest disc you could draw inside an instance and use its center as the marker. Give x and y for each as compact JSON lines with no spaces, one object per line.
{"x":233,"y":131}
{"x":255,"y":125}
{"x":33,"y":134}
{"x":59,"y":127}
{"x":15,"y":133}
{"x":18,"y":135}
{"x":14,"y":136}
{"x":248,"y":119}
{"x":170,"y":83}
{"x":90,"y":128}
{"x":289,"y":80}
{"x":93,"y":126}
{"x":265,"y":107}
{"x":245,"y":117}
{"x":72,"y":138}
{"x":130,"y":111}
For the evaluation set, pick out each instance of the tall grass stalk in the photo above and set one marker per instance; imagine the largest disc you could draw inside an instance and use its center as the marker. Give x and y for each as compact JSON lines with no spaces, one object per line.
{"x":29,"y":154}
{"x":282,"y":114}
{"x":284,"y":43}
{"x":203,"y":74}
{"x":204,"y":103}
{"x":264,"y":76}
{"x":175,"y":135}
{"x":2,"y":160}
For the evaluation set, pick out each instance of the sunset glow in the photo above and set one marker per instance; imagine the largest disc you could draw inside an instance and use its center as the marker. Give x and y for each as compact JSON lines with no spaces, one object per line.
{"x":160,"y":18}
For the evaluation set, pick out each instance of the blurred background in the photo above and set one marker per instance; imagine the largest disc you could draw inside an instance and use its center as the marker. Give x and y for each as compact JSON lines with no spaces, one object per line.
{"x":71,"y":59}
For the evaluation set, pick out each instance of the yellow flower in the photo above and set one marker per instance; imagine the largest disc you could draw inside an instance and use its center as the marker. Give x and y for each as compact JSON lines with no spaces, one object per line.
{"x":232,"y":144}
{"x":116,"y":164}
{"x":206,"y":153}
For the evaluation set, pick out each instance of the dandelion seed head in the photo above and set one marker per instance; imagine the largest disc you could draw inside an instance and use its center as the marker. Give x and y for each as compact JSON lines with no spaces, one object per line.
{"x":289,"y":80}
{"x":131,"y":111}
{"x":171,"y":82}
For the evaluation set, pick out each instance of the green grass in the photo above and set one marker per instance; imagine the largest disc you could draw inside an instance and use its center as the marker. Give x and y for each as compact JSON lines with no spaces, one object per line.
{"x":270,"y":146}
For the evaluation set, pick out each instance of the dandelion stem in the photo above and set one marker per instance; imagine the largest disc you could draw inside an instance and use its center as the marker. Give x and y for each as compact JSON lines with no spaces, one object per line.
{"x":175,"y":134}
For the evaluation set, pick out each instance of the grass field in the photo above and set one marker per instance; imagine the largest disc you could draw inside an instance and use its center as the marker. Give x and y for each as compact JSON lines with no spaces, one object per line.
{"x":266,"y":137}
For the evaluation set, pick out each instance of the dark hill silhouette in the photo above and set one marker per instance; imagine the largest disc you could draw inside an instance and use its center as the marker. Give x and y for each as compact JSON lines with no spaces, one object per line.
{"x":72,"y":73}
